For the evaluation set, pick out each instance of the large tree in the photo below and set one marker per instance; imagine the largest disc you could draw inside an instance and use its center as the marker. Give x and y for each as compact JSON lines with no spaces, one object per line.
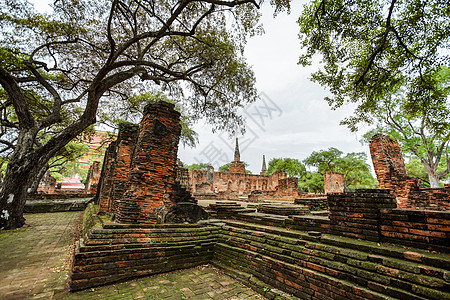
{"x":371,"y":47}
{"x":292,"y":166}
{"x":353,"y":166}
{"x":377,"y":51}
{"x":87,"y":52}
{"x":425,"y":134}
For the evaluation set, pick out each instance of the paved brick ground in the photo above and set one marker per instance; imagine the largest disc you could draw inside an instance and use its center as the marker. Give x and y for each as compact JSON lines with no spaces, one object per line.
{"x":34,"y":260}
{"x":197,"y":283}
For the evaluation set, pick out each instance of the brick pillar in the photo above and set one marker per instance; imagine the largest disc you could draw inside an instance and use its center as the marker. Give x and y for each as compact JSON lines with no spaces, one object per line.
{"x":126,"y":142}
{"x":93,"y":177}
{"x":333,"y":182}
{"x":390,"y":167}
{"x":105,"y":183}
{"x":357,"y":214}
{"x":151,"y":180}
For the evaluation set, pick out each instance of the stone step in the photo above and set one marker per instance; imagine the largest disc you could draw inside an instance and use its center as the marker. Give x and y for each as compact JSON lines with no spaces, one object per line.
{"x":410,"y":280}
{"x":441,"y":261}
{"x":305,"y":283}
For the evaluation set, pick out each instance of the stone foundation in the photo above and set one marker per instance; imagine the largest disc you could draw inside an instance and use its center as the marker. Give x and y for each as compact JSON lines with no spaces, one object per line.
{"x":271,"y":260}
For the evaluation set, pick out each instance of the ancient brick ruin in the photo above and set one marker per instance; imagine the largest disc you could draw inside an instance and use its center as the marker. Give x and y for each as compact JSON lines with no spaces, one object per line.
{"x":333,"y":182}
{"x":93,"y":178}
{"x":236,"y":183}
{"x":391,"y":173}
{"x":47,"y":185}
{"x":355,"y":250}
{"x":140,"y":168}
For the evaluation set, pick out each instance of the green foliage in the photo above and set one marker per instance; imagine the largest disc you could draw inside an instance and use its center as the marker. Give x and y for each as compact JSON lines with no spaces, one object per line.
{"x":324,"y":160}
{"x":293,"y":167}
{"x":312,"y":182}
{"x":131,"y":110}
{"x":353,"y":165}
{"x":421,"y":128}
{"x":200,"y":166}
{"x":372,"y":48}
{"x":226,"y":168}
{"x":65,"y":162}
{"x":415,"y":168}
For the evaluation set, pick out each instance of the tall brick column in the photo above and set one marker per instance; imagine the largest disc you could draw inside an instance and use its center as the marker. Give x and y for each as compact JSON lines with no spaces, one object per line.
{"x":151,"y":181}
{"x":390,"y":167}
{"x":126,"y":142}
{"x":105,"y":183}
{"x":93,"y":177}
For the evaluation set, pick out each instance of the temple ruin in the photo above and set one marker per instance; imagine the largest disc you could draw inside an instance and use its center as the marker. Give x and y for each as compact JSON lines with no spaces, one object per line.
{"x":391,"y":173}
{"x":382,"y":243}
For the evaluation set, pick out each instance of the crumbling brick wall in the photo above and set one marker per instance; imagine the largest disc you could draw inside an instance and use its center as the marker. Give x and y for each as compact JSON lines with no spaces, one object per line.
{"x":333,"y":182}
{"x":125,"y":144}
{"x":391,"y":173}
{"x":151,"y":181}
{"x":47,"y":185}
{"x":105,"y":183}
{"x":235,"y":183}
{"x":434,"y":199}
{"x":93,"y":177}
{"x":237,"y":167}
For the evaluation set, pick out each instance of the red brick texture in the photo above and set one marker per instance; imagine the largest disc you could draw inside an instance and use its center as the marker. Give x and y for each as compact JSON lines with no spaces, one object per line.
{"x":125,"y":145}
{"x":93,"y":177}
{"x":151,"y":181}
{"x":106,"y":179}
{"x":306,"y":265}
{"x":333,"y":182}
{"x":47,"y":185}
{"x":357,"y":214}
{"x":237,"y":167}
{"x":234,"y":183}
{"x":391,"y":174}
{"x":416,"y":228}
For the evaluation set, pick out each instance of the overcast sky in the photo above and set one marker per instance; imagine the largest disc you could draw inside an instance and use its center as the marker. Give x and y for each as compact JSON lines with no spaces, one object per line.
{"x":292,"y":119}
{"x":300,"y":121}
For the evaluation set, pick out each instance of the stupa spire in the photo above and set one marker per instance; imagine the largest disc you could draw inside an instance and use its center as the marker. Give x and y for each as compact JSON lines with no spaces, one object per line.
{"x":263,"y":168}
{"x":237,"y":155}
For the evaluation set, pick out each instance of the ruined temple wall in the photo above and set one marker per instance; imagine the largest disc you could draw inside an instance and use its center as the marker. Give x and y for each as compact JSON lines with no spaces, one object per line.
{"x":275,"y":178}
{"x":237,"y":167}
{"x":390,"y":167}
{"x":93,"y":177}
{"x":126,"y":142}
{"x":105,"y":182}
{"x":235,"y":182}
{"x":432,"y":199}
{"x":287,"y":190}
{"x":391,"y":174}
{"x":151,"y":181}
{"x":47,"y":185}
{"x":333,"y":182}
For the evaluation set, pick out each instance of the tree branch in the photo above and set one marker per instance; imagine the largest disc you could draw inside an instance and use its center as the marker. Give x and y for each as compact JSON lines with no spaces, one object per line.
{"x":17,"y":97}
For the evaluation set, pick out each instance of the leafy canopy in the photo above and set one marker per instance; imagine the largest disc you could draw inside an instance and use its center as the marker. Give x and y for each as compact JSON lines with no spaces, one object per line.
{"x":353,"y":165}
{"x":371,"y":48}
{"x":293,"y":167}
{"x":226,"y":168}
